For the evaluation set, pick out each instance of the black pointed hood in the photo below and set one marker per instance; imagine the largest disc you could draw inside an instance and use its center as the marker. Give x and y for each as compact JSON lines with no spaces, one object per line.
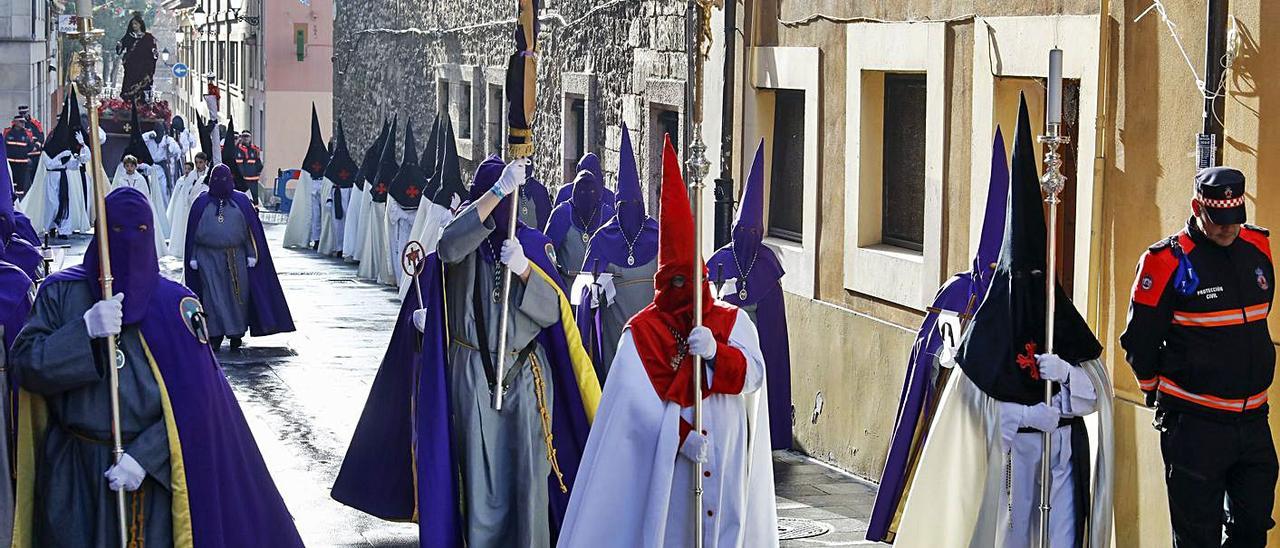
{"x":450,"y":172}
{"x":998,"y":350}
{"x":317,"y":152}
{"x":387,"y":167}
{"x":229,"y":147}
{"x":409,"y":181}
{"x":137,"y":146}
{"x":62,"y":138}
{"x":372,"y":155}
{"x":205,"y":129}
{"x":79,"y":124}
{"x":341,"y":170}
{"x":429,"y":153}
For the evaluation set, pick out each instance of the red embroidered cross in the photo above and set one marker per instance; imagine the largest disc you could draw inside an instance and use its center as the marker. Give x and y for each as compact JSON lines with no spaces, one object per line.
{"x":343,"y":174}
{"x":411,"y":192}
{"x":381,"y":188}
{"x":1028,"y":361}
{"x":315,"y":166}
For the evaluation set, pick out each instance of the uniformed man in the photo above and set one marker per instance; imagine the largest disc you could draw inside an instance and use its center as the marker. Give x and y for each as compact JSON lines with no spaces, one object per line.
{"x":249,"y":158}
{"x":37,"y":131}
{"x":18,"y":141}
{"x":1198,"y":343}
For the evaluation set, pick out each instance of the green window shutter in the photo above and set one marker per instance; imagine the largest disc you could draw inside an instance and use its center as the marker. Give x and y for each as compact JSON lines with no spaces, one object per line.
{"x":300,"y":41}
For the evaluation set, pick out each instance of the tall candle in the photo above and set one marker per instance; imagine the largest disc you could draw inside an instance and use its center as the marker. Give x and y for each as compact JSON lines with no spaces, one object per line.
{"x":1053,"y":108}
{"x":84,"y":8}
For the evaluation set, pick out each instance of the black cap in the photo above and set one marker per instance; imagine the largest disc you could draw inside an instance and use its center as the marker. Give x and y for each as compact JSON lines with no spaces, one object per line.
{"x":1221,"y":191}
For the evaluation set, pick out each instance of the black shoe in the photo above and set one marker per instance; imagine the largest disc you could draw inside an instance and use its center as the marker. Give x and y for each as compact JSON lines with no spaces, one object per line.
{"x":237,"y":342}
{"x":215,"y":343}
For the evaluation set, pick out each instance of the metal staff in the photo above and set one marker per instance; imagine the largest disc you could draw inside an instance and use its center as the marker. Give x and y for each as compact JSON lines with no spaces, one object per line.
{"x":1052,"y":183}
{"x":698,"y":168}
{"x":522,"y":101}
{"x":89,"y":84}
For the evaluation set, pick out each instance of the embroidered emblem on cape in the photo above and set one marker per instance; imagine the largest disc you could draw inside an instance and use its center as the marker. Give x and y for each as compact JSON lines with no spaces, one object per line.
{"x":1027,"y":361}
{"x":31,"y":294}
{"x":1147,"y":282}
{"x":1262,"y":278}
{"x":193,"y":317}
{"x":551,"y":254}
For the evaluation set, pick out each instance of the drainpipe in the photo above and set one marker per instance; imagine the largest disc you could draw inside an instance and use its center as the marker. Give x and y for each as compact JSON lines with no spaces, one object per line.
{"x":1216,"y":44}
{"x":724,"y":183}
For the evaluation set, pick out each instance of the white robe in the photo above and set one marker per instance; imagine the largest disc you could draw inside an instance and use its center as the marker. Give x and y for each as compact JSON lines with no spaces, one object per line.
{"x":79,"y":207}
{"x":153,"y":186}
{"x":399,"y":225}
{"x":327,"y":237}
{"x":351,"y":226}
{"x":633,"y":487}
{"x":137,"y":181}
{"x":189,"y":187}
{"x":959,"y":497}
{"x":428,"y":225}
{"x":374,"y":259}
{"x":297,"y":231}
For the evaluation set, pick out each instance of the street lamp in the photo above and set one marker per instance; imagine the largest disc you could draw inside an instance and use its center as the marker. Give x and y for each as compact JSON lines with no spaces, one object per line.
{"x":164,"y":56}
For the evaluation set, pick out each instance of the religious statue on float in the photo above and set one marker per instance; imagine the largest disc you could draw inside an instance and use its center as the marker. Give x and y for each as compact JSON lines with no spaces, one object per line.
{"x":137,"y":49}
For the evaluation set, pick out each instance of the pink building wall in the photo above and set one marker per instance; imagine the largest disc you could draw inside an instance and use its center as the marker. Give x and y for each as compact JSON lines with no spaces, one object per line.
{"x":291,"y":86}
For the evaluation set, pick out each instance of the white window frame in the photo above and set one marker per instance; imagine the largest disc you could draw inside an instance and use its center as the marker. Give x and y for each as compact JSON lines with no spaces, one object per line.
{"x":660,"y":94}
{"x":495,"y":80}
{"x":468,"y":76}
{"x":578,"y":85}
{"x":792,"y":68}
{"x":898,"y":275}
{"x":1020,"y":49}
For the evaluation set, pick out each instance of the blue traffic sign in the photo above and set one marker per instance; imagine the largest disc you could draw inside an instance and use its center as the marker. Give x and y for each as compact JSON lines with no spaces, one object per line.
{"x":180,"y":70}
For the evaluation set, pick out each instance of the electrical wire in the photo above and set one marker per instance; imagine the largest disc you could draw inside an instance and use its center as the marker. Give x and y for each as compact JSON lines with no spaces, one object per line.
{"x":860,"y":19}
{"x":1158,"y":7}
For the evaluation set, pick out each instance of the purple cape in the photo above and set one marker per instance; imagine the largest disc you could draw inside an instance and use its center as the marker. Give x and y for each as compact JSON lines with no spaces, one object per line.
{"x":562,"y":218}
{"x":959,"y":295}
{"x":233,"y":500}
{"x":764,"y":285}
{"x":406,"y":421}
{"x":24,"y":229}
{"x":268,"y":309}
{"x":15,"y":301}
{"x":23,"y":255}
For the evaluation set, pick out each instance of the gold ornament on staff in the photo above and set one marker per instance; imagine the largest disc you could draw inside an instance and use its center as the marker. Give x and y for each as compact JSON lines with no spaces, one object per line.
{"x":89,"y":85}
{"x":1052,"y":183}
{"x":699,"y":166}
{"x":521,"y":92}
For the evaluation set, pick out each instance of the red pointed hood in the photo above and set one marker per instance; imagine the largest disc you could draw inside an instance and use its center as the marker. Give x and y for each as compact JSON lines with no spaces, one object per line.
{"x":659,"y":330}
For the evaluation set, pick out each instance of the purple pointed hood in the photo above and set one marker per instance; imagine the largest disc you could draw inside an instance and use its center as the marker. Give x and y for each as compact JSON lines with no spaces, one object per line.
{"x":134,"y":266}
{"x":591,"y":162}
{"x":221,"y":182}
{"x":630,"y":208}
{"x":488,"y":173}
{"x":748,"y":228}
{"x":984,"y":261}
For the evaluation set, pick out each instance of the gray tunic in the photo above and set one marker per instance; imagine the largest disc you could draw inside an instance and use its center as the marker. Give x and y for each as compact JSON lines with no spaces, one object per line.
{"x":571,"y":252}
{"x":221,"y":251}
{"x":53,"y":357}
{"x":503,"y":455}
{"x":634,"y":287}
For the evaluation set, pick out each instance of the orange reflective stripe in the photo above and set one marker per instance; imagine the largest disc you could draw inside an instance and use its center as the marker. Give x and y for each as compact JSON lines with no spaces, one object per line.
{"x":1223,"y":317}
{"x":1224,"y":404}
{"x":1148,"y":384}
{"x":19,"y":160}
{"x":252,"y":178}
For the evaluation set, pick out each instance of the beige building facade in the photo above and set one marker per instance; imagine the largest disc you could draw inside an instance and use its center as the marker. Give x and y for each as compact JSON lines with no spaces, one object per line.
{"x":882,"y":85}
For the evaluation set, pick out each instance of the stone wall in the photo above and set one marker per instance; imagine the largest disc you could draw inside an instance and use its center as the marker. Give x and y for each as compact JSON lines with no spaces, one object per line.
{"x":619,"y":55}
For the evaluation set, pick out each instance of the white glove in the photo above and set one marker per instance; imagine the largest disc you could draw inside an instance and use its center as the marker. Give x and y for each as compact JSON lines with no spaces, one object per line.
{"x":63,"y":154}
{"x":1053,"y":368}
{"x":105,"y":317}
{"x":1041,"y":417}
{"x":127,"y":474}
{"x":253,"y":261}
{"x":512,"y":177}
{"x":513,"y":257}
{"x":696,"y":447}
{"x":702,"y":343}
{"x":420,"y":320}
{"x":193,"y":265}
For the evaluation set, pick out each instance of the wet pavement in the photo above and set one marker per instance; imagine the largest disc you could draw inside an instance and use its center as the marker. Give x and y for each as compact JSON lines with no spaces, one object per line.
{"x":302,"y":394}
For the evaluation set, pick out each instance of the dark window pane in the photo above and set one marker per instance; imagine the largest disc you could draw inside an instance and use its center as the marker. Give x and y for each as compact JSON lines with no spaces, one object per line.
{"x":464,"y":112}
{"x":670,"y":123}
{"x":902,"y":220}
{"x":443,"y":88}
{"x":578,"y":119}
{"x":786,"y":187}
